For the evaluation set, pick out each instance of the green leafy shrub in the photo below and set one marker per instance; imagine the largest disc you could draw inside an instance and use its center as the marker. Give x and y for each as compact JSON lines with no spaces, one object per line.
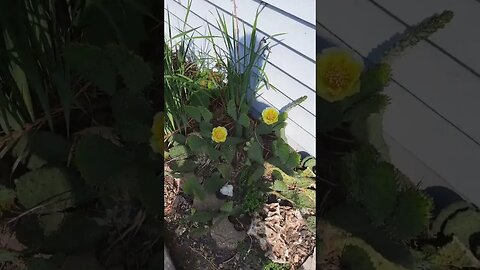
{"x":275,"y":266}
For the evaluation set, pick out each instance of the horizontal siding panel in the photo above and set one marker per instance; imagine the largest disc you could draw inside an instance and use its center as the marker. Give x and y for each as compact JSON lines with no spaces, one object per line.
{"x":304,"y":9}
{"x":286,"y":85}
{"x":409,"y":164}
{"x":429,"y":74}
{"x":281,"y":56}
{"x":459,"y":38}
{"x":298,"y":36}
{"x":434,"y":141}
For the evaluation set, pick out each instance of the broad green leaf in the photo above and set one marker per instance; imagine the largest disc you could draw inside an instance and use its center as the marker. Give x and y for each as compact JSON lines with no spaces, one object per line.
{"x":206,"y":129}
{"x":98,"y":160}
{"x":47,"y":147}
{"x":51,"y":222}
{"x":212,"y":153}
{"x":255,"y":152}
{"x":256,"y":174}
{"x":281,"y":150}
{"x":232,"y":109}
{"x":309,"y":162}
{"x":354,"y":220}
{"x":280,"y":186}
{"x":225,"y":170}
{"x":133,"y":116}
{"x":263,"y":129}
{"x":412,"y":213}
{"x":79,"y":58}
{"x":233,"y":141}
{"x":293,"y":160}
{"x":463,"y":225}
{"x":193,"y":187}
{"x":200,"y":98}
{"x":206,"y":114}
{"x":354,"y":257}
{"x":379,"y":191}
{"x":196,"y":143}
{"x":179,"y":138}
{"x":193,"y":112}
{"x":228,"y":152}
{"x":47,"y":185}
{"x":178,"y":151}
{"x":282,"y":117}
{"x":244,"y":120}
{"x":214,"y":183}
{"x":183,"y":165}
{"x":135,"y":72}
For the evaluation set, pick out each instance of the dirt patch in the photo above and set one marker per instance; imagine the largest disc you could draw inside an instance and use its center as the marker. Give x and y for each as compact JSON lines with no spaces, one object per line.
{"x":283,"y":234}
{"x":191,"y":246}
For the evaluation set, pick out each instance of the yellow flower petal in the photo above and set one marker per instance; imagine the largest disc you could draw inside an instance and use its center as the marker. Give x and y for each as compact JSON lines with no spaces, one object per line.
{"x":338,"y":74}
{"x":219,"y":134}
{"x":156,"y":140}
{"x":270,"y":115}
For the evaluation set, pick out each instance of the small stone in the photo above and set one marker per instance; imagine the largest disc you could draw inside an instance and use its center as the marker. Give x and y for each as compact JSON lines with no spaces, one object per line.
{"x":310,"y":263}
{"x":225,"y":235}
{"x":210,"y":203}
{"x":180,"y":231}
{"x":167,"y":263}
{"x":227,"y":190}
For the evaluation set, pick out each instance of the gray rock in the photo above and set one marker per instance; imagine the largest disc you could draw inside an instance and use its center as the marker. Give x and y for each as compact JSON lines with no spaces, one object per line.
{"x":224,"y":233}
{"x":310,"y":263}
{"x":167,"y":263}
{"x":210,"y":203}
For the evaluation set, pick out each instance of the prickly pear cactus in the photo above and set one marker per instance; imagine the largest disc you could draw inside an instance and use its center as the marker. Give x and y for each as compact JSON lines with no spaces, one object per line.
{"x":299,"y":188}
{"x":462,"y":220}
{"x":356,"y":258}
{"x":455,"y":254}
{"x":7,"y":198}
{"x":52,"y":186}
{"x":99,"y":160}
{"x":335,"y":240}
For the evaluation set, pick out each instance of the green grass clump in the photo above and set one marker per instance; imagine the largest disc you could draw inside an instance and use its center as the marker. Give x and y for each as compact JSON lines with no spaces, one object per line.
{"x":275,"y":266}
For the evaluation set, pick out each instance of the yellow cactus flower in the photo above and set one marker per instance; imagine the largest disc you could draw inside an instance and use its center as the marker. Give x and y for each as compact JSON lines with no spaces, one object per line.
{"x":270,"y":115}
{"x":338,"y":74}
{"x":219,"y":134}
{"x":156,"y":140}
{"x":203,"y":83}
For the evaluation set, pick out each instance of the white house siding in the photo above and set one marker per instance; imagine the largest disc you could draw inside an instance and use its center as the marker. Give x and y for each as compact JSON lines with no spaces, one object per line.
{"x":291,"y":63}
{"x":431,"y":125}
